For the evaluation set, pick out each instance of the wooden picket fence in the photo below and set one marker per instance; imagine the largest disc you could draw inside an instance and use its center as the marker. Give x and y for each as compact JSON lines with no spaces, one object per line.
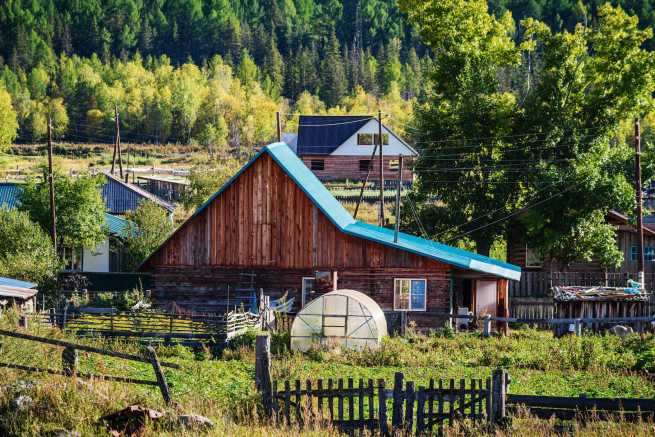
{"x":368,"y":405}
{"x":365,"y":406}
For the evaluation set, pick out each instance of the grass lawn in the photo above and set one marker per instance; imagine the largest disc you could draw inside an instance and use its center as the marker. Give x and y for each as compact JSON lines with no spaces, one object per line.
{"x":223,"y":389}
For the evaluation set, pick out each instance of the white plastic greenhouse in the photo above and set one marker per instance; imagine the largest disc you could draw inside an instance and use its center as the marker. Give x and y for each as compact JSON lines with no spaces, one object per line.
{"x":346,"y":318}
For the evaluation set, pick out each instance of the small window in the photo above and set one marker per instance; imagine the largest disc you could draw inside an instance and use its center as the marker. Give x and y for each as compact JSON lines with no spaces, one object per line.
{"x":364,"y":164}
{"x":649,"y":253}
{"x":307,"y":290}
{"x":317,"y":164}
{"x":409,"y":294}
{"x":393,"y":165}
{"x":365,"y":139}
{"x":385,"y":138}
{"x":532,"y":258}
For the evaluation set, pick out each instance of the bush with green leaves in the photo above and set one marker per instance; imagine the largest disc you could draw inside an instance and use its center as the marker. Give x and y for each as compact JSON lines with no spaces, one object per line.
{"x":26,"y":251}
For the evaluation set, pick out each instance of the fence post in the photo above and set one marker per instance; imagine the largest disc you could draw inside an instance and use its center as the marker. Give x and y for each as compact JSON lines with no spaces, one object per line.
{"x":161,"y":379}
{"x":53,"y":321}
{"x":22,"y":321}
{"x":382,"y":399}
{"x":263,"y":371}
{"x":69,"y":360}
{"x":397,"y":405}
{"x":486,"y":329}
{"x":499,"y":395}
{"x":578,"y":327}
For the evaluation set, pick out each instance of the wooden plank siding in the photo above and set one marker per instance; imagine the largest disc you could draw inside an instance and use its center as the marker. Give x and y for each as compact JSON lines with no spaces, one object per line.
{"x":264,"y":219}
{"x":265,"y":224}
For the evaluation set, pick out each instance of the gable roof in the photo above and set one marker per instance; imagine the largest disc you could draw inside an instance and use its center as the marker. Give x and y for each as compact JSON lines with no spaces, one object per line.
{"x":121,"y":197}
{"x":10,"y":198}
{"x":337,"y":214}
{"x":322,"y":134}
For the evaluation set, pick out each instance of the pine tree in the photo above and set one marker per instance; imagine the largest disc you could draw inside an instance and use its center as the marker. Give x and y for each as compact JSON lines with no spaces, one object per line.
{"x":333,"y":73}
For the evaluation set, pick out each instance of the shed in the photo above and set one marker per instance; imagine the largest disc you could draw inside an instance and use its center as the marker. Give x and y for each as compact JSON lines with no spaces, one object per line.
{"x":346,"y":318}
{"x":22,"y":294}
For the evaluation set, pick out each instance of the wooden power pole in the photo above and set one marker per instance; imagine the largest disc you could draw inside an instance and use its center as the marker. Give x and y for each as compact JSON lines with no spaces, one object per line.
{"x":279,"y":126}
{"x":398,"y":191}
{"x":381,"y":143}
{"x":638,"y":192}
{"x":51,"y":185}
{"x":117,"y":144}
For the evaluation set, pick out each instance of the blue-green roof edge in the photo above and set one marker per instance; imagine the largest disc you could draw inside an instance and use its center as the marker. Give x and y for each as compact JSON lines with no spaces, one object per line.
{"x":337,"y":214}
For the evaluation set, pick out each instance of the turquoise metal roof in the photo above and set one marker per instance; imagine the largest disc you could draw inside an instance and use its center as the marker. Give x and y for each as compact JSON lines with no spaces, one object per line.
{"x":117,"y":225}
{"x":337,"y":214}
{"x":10,"y":282}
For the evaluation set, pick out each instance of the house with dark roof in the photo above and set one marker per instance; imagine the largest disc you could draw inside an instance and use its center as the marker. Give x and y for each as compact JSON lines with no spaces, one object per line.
{"x":275,"y":227}
{"x":339,"y":147}
{"x":104,"y":258}
{"x":122,"y":197}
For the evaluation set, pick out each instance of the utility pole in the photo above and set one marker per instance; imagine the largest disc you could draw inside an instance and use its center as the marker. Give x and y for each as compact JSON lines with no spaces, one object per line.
{"x":380,"y":142}
{"x":279,"y":127}
{"x":113,"y":158}
{"x":118,"y":141}
{"x":398,"y":191}
{"x":638,"y":192}
{"x":368,"y":173}
{"x":53,"y":213}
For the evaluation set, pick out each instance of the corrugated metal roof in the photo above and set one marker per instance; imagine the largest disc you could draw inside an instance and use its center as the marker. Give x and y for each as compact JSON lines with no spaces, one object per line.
{"x":11,"y":282}
{"x":121,"y":197}
{"x":117,"y":225}
{"x":9,"y":194}
{"x":337,"y":214}
{"x":322,"y":134}
{"x":17,"y":292}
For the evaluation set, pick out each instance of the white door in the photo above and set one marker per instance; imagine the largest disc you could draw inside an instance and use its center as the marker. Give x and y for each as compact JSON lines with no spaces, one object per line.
{"x":485,"y":298}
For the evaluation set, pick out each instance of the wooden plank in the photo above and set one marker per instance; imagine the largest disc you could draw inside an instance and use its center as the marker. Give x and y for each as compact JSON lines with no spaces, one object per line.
{"x":420,"y":411}
{"x":331,"y":398}
{"x":82,"y":347}
{"x":287,"y":402}
{"x":617,"y":404}
{"x":382,"y":399}
{"x":161,"y":379}
{"x":409,"y":406}
{"x":298,"y":404}
{"x":340,"y":400}
{"x":78,"y":374}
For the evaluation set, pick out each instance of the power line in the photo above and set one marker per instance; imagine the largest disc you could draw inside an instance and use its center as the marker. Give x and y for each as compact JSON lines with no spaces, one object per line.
{"x":456,"y":237}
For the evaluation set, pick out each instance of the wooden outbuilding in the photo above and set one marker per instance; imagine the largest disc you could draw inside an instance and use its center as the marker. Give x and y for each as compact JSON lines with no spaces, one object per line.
{"x":17,"y":293}
{"x":275,"y":227}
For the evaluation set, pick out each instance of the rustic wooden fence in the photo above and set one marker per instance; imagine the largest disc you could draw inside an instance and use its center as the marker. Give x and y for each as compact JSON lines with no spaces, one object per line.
{"x":189,"y":330}
{"x":582,"y":407}
{"x":70,"y":362}
{"x":370,"y":405}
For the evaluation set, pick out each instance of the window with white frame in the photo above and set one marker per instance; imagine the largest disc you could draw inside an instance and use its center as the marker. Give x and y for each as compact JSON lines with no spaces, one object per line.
{"x":409,"y":294}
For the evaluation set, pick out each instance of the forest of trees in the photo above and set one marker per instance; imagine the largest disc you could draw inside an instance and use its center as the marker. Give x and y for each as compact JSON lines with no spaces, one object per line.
{"x":170,"y":66}
{"x":199,"y":70}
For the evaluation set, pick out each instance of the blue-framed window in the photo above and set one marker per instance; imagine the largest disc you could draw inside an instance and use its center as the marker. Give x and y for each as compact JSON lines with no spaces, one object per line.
{"x":649,"y":253}
{"x":409,"y":294}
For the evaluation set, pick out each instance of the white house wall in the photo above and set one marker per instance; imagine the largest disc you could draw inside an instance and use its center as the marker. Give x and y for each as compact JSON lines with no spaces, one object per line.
{"x":96,"y":260}
{"x":351,"y":148}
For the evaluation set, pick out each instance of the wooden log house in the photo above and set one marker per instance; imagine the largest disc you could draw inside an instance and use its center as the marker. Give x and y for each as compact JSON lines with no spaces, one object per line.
{"x":275,"y":227}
